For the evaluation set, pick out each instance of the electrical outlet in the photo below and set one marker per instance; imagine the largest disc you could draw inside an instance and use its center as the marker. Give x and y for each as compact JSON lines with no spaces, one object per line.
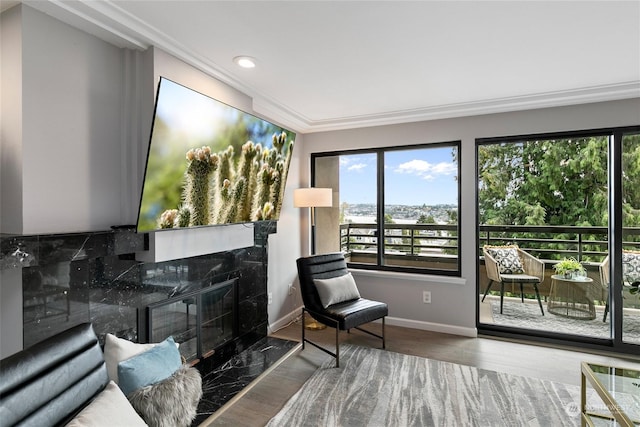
{"x":290,"y":288}
{"x":426,"y":297}
{"x":269,"y":297}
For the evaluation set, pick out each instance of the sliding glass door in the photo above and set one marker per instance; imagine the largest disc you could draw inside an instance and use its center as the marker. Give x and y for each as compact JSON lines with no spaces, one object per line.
{"x":627,"y":287}
{"x":560,"y":197}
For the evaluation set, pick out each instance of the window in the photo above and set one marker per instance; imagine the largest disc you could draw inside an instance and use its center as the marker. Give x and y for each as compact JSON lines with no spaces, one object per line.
{"x":397,"y":210}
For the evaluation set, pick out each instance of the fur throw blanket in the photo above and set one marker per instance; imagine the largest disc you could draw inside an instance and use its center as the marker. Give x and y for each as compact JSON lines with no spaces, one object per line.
{"x":171,"y":402}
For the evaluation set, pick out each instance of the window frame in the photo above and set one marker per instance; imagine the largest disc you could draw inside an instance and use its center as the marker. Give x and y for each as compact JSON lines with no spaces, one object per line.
{"x":380,"y":184}
{"x":615,"y":231}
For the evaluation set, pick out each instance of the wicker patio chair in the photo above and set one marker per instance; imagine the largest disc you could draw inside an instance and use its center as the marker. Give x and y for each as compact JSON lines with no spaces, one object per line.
{"x":510,"y":264}
{"x":604,"y":281}
{"x":630,"y":273}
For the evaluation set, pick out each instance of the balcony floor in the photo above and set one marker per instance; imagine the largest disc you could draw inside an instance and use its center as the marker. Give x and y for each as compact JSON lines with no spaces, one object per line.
{"x":527,"y":315}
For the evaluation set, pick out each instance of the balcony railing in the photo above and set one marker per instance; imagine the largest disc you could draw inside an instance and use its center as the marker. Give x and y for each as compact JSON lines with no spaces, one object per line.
{"x":435,"y":246}
{"x":586,"y":244}
{"x":408,"y":239}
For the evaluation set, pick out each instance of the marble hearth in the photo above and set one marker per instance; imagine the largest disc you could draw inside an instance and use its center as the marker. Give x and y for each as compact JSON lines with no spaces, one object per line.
{"x":67,"y":279}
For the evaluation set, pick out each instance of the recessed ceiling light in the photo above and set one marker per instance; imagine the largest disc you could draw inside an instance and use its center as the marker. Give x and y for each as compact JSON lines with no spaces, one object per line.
{"x":245,"y":61}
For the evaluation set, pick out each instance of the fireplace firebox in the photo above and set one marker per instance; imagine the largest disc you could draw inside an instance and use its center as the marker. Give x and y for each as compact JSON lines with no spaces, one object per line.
{"x":200,"y":321}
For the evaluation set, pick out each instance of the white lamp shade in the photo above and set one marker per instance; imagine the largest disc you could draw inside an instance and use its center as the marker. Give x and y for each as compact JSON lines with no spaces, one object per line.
{"x":313,"y":198}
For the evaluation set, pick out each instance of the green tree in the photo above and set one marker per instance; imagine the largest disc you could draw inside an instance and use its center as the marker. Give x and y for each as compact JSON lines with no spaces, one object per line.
{"x":426,"y":219}
{"x":554,"y":182}
{"x":544,"y":182}
{"x":631,"y":181}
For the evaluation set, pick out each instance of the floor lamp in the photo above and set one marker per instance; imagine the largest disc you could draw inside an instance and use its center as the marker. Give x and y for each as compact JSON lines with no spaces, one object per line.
{"x":313,"y":198}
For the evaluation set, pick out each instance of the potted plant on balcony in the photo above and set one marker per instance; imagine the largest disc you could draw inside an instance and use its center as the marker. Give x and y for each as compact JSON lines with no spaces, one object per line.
{"x":569,"y":268}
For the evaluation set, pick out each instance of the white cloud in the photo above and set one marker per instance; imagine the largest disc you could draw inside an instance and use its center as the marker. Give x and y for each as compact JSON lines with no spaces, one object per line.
{"x":357,"y":167}
{"x":445,"y":168}
{"x":426,"y":170}
{"x":353,"y":160}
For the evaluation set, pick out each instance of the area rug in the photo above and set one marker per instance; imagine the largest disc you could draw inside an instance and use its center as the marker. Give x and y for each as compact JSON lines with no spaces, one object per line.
{"x":381,"y":388}
{"x":528,"y":316}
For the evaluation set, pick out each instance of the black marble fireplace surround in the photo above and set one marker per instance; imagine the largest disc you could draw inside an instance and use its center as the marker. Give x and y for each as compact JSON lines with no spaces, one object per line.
{"x":68,"y":279}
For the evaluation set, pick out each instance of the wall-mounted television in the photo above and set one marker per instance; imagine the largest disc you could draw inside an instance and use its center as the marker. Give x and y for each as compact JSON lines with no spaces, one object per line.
{"x":209,"y":163}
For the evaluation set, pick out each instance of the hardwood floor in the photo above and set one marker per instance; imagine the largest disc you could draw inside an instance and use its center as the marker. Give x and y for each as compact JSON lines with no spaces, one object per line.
{"x":267,"y":396}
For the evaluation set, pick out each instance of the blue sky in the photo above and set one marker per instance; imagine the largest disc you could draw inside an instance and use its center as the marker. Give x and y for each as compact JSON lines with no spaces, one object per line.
{"x":412,"y":177}
{"x":192,"y":113}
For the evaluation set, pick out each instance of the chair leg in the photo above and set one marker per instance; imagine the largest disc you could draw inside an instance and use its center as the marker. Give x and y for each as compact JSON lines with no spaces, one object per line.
{"x":606,"y":310}
{"x":337,"y":349}
{"x":487,"y":290}
{"x":316,"y":345}
{"x":303,"y":319}
{"x":384,"y":343}
{"x":501,"y":295}
{"x":535,"y":286}
{"x":522,"y":293}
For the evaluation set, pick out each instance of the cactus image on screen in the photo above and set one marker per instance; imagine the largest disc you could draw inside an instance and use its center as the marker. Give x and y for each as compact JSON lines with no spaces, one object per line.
{"x":209,"y":163}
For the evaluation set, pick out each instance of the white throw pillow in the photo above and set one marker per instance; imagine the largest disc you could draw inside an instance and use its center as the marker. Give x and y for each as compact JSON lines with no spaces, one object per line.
{"x":336,"y":289}
{"x":110,"y":408}
{"x":507,"y":259}
{"x":118,"y":349}
{"x":631,"y":266}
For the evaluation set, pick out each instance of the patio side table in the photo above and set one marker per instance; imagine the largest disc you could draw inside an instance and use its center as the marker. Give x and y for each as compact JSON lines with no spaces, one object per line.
{"x":569,"y":298}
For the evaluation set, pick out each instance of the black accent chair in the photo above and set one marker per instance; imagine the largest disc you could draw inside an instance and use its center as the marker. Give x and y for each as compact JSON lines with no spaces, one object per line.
{"x":341,"y":316}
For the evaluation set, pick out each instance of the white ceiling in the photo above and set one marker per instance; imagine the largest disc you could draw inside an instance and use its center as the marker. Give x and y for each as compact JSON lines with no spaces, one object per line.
{"x":338,"y":64}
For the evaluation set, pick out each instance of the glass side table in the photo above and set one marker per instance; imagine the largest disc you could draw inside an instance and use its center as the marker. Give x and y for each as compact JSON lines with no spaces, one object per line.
{"x":570,"y":298}
{"x":619,"y":390}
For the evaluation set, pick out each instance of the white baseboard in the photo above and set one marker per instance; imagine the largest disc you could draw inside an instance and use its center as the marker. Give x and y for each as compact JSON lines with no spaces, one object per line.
{"x":285,"y":320}
{"x":395,"y":321}
{"x":434,"y":327}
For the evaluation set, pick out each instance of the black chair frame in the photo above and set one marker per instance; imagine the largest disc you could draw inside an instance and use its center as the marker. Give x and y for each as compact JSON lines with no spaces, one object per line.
{"x":336,"y":325}
{"x":342,"y":316}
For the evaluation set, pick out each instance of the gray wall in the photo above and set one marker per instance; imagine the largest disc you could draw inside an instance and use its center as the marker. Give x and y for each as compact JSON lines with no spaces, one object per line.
{"x":70,"y":130}
{"x":11,"y":120}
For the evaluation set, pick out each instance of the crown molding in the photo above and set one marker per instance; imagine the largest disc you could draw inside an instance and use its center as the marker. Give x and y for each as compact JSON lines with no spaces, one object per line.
{"x":106,"y":20}
{"x":603,"y":93}
{"x":87,"y":17}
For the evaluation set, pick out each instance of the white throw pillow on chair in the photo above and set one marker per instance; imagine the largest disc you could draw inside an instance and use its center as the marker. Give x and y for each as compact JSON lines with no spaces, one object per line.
{"x":336,"y":289}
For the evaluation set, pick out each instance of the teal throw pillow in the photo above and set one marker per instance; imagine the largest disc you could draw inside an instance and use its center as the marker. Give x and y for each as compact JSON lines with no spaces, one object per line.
{"x":149,"y":367}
